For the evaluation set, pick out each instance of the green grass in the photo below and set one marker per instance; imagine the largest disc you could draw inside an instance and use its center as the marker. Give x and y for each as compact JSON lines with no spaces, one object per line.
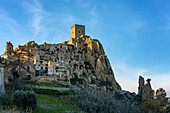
{"x":49,"y":104}
{"x":29,"y":82}
{"x":50,"y":91}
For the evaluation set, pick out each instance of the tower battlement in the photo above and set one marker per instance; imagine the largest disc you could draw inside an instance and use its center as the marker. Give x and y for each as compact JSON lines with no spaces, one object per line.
{"x":9,"y":49}
{"x":77,"y":31}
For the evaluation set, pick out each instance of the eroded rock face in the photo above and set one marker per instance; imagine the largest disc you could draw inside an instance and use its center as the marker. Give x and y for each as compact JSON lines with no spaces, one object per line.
{"x":101,"y":66}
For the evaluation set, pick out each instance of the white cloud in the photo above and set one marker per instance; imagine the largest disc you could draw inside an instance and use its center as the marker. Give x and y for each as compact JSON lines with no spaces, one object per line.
{"x":134,"y":28}
{"x":8,"y":22}
{"x":127,"y":76}
{"x":38,"y":17}
{"x":94,"y":20}
{"x":67,"y":19}
{"x":9,"y":27}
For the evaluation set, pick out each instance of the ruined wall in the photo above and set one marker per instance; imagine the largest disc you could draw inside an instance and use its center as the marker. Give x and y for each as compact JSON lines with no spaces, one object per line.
{"x":143,"y":88}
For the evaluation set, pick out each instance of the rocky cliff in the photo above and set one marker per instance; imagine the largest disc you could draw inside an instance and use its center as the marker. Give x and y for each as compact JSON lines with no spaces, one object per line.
{"x":100,"y":65}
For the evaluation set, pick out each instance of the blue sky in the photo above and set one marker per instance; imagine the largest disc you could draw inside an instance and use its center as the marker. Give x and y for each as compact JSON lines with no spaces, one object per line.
{"x":134,"y":33}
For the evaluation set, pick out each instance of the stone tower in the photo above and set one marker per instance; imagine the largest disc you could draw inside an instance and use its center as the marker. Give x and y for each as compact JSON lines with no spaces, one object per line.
{"x":143,"y":88}
{"x":77,"y":31}
{"x":9,"y":49}
{"x":2,"y":89}
{"x":141,"y":84}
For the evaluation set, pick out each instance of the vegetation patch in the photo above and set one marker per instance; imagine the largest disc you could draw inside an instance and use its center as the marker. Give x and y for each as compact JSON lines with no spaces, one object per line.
{"x":88,"y":65}
{"x":74,"y":81}
{"x":51,"y":92}
{"x":95,"y":101}
{"x":25,"y":99}
{"x":28,"y":82}
{"x":49,"y":104}
{"x":19,"y":100}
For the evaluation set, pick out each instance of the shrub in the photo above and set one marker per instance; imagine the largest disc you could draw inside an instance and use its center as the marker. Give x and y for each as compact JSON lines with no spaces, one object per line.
{"x":94,"y":101}
{"x":16,"y":84}
{"x":6,"y":100}
{"x":106,"y":83}
{"x":25,"y":99}
{"x":75,"y":80}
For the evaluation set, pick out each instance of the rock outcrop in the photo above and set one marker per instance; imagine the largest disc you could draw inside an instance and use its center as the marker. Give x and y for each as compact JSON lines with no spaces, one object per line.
{"x":100,"y":63}
{"x":144,"y":89}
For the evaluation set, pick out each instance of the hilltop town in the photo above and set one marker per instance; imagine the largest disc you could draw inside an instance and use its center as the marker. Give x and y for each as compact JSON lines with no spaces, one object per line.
{"x":80,"y":57}
{"x":62,"y":69}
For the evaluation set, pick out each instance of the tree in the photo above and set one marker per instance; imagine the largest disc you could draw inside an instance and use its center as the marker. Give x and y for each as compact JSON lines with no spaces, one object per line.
{"x":148,"y":104}
{"x":168,"y":106}
{"x":160,"y":100}
{"x":156,"y":102}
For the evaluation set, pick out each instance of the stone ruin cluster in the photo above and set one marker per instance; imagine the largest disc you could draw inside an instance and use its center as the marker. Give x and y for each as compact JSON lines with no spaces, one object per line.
{"x":143,"y":88}
{"x":80,"y":57}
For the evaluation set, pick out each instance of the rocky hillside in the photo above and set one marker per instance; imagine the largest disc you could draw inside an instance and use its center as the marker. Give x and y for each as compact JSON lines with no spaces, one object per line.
{"x":100,"y":65}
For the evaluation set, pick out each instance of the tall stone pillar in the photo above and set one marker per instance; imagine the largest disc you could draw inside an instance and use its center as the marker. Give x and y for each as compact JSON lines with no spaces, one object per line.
{"x":141,"y":85}
{"x":2,"y":88}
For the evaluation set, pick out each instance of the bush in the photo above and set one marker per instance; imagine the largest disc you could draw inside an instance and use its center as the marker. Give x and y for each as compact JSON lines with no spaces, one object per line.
{"x":94,"y":101}
{"x":75,"y":80}
{"x":25,"y":99}
{"x":16,"y":84}
{"x":6,"y":100}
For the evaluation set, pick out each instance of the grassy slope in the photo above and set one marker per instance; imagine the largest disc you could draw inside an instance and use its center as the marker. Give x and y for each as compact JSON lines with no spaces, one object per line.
{"x":49,"y":104}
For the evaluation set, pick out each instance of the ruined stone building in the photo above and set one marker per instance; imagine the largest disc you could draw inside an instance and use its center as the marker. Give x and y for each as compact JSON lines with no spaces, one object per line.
{"x":143,"y":88}
{"x":80,"y":57}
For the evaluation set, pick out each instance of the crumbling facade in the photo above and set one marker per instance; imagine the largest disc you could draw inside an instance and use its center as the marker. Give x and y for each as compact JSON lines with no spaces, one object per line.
{"x":143,"y":88}
{"x":80,"y":57}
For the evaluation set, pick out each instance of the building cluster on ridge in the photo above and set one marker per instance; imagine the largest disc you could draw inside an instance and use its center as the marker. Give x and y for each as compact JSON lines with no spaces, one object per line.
{"x":80,"y":57}
{"x":52,"y":59}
